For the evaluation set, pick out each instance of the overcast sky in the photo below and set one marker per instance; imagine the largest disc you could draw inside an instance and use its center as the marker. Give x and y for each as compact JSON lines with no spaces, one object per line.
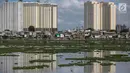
{"x":71,"y":13}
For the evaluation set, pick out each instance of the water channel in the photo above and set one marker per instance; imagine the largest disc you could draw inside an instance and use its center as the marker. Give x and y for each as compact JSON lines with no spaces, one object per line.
{"x":8,"y":62}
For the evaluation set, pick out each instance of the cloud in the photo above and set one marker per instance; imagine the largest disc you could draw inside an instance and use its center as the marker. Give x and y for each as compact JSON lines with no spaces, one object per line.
{"x":70,"y":13}
{"x":68,"y":3}
{"x":82,"y":22}
{"x":60,"y":20}
{"x":65,"y":4}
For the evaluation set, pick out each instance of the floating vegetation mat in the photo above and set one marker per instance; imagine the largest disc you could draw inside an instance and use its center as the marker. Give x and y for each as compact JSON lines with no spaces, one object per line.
{"x":31,"y":67}
{"x":44,"y":61}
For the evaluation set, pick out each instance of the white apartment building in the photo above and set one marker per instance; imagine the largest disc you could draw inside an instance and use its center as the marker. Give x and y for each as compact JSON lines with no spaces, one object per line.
{"x":18,"y":16}
{"x":30,"y":14}
{"x":108,"y":16}
{"x":41,"y":16}
{"x":45,"y":18}
{"x":11,"y":16}
{"x":100,"y":16}
{"x":54,"y":17}
{"x":92,"y":15}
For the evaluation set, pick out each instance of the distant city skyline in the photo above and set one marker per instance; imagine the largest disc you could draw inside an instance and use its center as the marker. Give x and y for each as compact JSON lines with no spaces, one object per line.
{"x":71,"y":13}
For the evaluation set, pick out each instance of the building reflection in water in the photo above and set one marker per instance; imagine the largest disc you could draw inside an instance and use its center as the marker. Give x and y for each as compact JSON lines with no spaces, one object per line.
{"x":8,"y":62}
{"x":96,"y":67}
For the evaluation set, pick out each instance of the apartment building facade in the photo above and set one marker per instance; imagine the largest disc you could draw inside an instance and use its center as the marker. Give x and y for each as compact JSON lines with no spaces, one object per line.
{"x":100,"y":15}
{"x":19,"y":16}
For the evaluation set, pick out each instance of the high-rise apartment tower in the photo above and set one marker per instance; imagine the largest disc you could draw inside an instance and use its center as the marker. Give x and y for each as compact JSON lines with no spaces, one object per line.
{"x":100,"y":15}
{"x":19,"y":16}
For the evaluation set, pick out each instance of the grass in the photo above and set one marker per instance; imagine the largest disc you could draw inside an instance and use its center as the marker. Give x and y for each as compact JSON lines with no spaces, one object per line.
{"x":72,"y":46}
{"x":28,"y":42}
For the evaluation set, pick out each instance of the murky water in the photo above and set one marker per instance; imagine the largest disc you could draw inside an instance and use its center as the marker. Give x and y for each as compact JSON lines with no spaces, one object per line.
{"x":8,"y":62}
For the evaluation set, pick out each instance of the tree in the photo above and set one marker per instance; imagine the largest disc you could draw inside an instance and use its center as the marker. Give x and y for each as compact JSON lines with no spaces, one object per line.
{"x":31,"y":28}
{"x":90,"y":29}
{"x":6,"y":30}
{"x":112,"y":30}
{"x":125,"y":30}
{"x":5,"y":37}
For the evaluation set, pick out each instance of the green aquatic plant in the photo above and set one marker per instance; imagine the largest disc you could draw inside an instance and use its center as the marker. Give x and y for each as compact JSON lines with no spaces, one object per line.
{"x":30,"y":67}
{"x":106,"y":64}
{"x":39,"y":60}
{"x":114,"y":58}
{"x":9,"y":55}
{"x":75,"y":64}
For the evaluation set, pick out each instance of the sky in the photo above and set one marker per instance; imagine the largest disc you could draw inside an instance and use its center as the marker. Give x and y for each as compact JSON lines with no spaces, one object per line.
{"x":71,"y":13}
